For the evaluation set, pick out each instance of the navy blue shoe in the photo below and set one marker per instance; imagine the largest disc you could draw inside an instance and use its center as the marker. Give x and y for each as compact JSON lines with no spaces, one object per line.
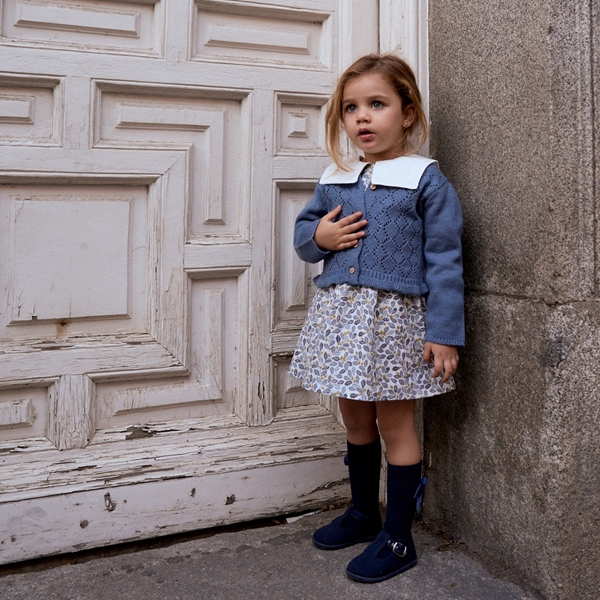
{"x":382,"y":559}
{"x":350,"y":528}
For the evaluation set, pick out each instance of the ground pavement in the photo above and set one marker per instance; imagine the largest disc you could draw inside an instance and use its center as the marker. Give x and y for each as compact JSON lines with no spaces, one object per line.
{"x":266,"y":562}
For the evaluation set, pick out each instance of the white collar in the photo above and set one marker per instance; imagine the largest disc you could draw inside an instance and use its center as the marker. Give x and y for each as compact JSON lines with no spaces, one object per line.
{"x":401,"y":172}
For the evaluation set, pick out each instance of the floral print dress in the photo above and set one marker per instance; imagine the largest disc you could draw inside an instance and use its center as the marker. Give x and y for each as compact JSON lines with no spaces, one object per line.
{"x":365,"y":344}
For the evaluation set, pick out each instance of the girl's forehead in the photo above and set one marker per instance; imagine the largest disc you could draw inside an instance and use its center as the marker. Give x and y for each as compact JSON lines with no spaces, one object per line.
{"x":370,"y":82}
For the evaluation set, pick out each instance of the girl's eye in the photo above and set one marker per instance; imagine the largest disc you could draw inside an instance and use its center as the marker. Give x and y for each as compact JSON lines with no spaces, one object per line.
{"x":376,"y":104}
{"x":350,"y":107}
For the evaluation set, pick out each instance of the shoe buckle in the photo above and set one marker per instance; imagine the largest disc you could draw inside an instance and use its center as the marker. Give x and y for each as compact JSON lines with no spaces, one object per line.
{"x":395,"y":545}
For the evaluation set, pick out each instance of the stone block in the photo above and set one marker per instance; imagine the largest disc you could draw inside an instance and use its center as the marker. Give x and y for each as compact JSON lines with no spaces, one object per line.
{"x":512,"y":455}
{"x":511,"y":110}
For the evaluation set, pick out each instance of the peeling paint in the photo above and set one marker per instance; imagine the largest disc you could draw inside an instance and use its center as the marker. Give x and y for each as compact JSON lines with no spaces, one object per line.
{"x":230,"y":500}
{"x":137,"y":431}
{"x":197,"y":447}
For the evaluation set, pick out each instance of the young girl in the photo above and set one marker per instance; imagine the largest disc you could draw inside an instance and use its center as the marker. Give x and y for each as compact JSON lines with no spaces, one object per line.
{"x":388,"y":313}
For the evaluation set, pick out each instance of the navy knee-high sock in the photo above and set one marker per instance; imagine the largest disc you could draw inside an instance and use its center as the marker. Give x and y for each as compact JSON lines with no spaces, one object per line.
{"x":402,"y":483}
{"x":364,"y":463}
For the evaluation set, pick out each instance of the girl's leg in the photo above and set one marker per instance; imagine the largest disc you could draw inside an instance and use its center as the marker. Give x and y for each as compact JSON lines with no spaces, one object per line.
{"x":397,"y":427}
{"x":364,"y":456}
{"x":362,"y":521}
{"x":397,"y":422}
{"x":393,"y":551}
{"x":360,"y":419}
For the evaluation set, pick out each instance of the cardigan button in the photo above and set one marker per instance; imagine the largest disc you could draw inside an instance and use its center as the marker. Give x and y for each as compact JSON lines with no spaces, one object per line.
{"x":351,"y":269}
{"x":373,"y":186}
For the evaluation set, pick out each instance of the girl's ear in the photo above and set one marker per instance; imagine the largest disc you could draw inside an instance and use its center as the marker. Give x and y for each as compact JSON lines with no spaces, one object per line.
{"x":409,"y":115}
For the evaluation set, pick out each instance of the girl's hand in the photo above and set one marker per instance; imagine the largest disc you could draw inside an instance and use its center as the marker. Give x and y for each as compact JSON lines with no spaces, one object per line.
{"x":445,"y":359}
{"x":339,"y":235}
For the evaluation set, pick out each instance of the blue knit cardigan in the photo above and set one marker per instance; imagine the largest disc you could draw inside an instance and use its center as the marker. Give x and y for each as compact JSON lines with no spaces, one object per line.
{"x":412,"y":243}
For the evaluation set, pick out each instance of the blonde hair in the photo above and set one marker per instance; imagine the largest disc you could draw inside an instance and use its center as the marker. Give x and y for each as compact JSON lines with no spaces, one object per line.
{"x":399,"y":74}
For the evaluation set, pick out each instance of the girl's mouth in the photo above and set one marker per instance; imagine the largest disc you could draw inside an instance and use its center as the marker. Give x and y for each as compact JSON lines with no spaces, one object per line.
{"x":365,"y":134}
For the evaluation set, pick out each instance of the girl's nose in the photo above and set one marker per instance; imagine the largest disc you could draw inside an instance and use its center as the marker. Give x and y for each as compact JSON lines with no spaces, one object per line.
{"x":362,"y":114}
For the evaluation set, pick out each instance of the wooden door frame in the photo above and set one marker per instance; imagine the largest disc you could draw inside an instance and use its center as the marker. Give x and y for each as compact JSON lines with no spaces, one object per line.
{"x":403,"y":28}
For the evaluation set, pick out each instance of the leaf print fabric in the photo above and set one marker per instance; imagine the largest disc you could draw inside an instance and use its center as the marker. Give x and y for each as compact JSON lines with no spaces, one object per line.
{"x":365,"y":344}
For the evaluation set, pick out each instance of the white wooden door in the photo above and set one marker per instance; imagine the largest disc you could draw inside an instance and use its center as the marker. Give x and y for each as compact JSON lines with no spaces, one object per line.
{"x":154,"y":156}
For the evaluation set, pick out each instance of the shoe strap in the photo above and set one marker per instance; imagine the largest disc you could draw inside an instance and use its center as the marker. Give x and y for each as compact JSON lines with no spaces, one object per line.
{"x":397,"y":548}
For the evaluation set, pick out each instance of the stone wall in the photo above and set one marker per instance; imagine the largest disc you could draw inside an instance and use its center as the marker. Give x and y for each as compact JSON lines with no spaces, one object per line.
{"x":513,"y":456}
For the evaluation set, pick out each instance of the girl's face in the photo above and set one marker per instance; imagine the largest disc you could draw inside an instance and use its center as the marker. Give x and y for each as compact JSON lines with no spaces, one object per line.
{"x":373,"y":116}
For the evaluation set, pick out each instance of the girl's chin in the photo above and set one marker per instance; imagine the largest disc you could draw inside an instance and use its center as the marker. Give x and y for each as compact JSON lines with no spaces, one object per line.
{"x":374,"y":157}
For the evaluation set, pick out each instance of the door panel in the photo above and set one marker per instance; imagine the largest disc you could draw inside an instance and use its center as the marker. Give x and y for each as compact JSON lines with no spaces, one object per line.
{"x":155,"y":157}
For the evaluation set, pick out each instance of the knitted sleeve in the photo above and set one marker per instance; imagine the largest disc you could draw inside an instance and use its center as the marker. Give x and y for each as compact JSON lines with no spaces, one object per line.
{"x":306,"y":224}
{"x":442,"y":230}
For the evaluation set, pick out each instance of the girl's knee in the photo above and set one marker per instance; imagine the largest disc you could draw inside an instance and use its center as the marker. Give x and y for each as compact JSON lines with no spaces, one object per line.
{"x":360,"y":418}
{"x":396,"y":420}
